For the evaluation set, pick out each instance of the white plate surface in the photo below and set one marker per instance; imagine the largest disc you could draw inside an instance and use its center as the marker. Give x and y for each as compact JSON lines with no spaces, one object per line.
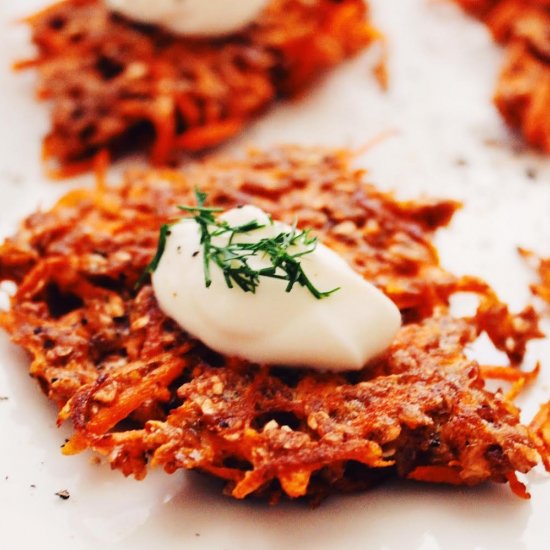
{"x":449,"y":142}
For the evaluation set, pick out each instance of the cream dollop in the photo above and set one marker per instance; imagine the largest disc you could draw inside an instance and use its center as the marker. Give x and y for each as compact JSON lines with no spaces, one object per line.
{"x":294,"y":329}
{"x":192,"y":17}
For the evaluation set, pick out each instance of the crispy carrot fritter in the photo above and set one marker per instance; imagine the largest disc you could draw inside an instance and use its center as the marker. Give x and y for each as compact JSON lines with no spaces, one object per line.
{"x":140,"y":390}
{"x":112,"y":81}
{"x":523,"y":91}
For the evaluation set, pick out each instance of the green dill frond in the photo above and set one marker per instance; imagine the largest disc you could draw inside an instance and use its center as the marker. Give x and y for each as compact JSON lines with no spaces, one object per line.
{"x":233,"y":257}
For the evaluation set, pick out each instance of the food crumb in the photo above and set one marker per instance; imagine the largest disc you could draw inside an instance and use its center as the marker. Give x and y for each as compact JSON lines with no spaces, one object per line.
{"x":4,"y":397}
{"x":492,"y":142}
{"x":461,"y":161}
{"x":531,"y":173}
{"x":197,"y":534}
{"x":64,"y":494}
{"x":33,"y":486}
{"x":95,"y":460}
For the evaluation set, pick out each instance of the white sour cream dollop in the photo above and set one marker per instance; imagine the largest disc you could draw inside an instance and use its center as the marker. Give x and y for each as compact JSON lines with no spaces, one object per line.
{"x":192,"y":17}
{"x":294,"y":329}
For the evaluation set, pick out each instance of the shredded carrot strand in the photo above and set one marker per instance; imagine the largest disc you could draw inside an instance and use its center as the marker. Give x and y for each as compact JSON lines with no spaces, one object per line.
{"x":540,"y":428}
{"x":204,"y":137}
{"x":518,"y":488}
{"x":132,"y":398}
{"x":436,"y":474}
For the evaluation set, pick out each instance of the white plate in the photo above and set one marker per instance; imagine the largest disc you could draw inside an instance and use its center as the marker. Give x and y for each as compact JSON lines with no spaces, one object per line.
{"x":450,"y":142}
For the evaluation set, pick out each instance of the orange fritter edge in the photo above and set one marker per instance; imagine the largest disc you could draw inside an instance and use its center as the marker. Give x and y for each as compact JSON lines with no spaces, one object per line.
{"x":523,"y":91}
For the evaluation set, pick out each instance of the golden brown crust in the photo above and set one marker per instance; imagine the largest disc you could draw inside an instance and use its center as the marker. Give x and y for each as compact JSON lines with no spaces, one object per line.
{"x":140,"y":390}
{"x":523,"y":91}
{"x":112,"y":80}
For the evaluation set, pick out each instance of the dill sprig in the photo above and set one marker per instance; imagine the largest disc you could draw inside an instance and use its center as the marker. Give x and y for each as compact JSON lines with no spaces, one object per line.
{"x":233,"y":258}
{"x":153,"y":264}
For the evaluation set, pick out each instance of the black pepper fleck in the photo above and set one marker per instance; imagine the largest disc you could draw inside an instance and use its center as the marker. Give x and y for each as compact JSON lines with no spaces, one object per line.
{"x":63,"y":494}
{"x":196,"y":253}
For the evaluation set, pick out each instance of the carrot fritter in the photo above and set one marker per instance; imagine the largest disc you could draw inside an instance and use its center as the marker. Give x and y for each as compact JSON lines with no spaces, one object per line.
{"x":112,"y":81}
{"x":523,"y":90}
{"x":138,"y":389}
